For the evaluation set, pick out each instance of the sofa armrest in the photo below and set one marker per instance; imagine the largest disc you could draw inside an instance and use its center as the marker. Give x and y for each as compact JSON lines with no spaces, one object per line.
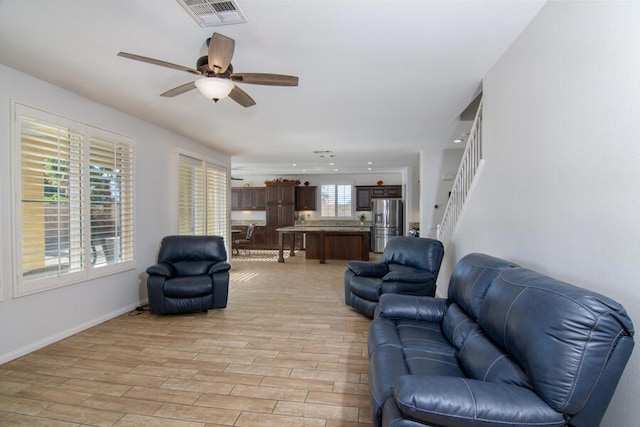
{"x":220,"y":266}
{"x":365,"y":268}
{"x":163,"y":269}
{"x":444,"y":401}
{"x":427,"y":288}
{"x":397,"y":306}
{"x":409,"y":276}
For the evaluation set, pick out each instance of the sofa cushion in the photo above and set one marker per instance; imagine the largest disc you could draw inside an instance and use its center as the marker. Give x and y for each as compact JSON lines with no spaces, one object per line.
{"x":366,"y":268}
{"x":432,"y":360}
{"x":423,"y":336}
{"x":402,"y":273}
{"x":422,"y":253}
{"x":192,"y":248}
{"x":465,"y":402}
{"x":366,"y":287}
{"x":471,"y":278}
{"x":483,"y":360}
{"x":188,"y":287}
{"x":456,"y":325}
{"x":191,"y":268}
{"x":535,"y":317}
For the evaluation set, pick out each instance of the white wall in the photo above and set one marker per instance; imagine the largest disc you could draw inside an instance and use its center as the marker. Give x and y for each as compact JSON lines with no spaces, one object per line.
{"x":560,"y":190}
{"x":33,"y":321}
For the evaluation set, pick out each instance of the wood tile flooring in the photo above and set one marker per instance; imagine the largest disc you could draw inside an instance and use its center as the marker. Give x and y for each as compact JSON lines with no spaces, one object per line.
{"x":285,"y":352}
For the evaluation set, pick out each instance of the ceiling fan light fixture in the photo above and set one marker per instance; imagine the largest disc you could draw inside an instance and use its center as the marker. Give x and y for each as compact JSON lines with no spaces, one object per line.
{"x":214,"y":88}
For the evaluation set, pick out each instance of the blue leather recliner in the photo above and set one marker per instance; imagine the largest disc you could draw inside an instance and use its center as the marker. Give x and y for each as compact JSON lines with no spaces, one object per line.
{"x":408,"y":265}
{"x":508,"y":347}
{"x":192,"y":274}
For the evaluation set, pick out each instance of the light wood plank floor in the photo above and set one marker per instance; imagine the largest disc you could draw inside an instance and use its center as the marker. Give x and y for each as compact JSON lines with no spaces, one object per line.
{"x":285,"y":352}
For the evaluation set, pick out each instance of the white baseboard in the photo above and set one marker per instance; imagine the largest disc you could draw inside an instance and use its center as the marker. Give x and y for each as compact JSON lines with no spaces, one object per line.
{"x":64,"y":334}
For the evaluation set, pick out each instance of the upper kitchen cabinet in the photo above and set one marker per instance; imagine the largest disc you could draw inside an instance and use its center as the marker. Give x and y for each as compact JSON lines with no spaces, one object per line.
{"x":248,"y":199}
{"x":364,"y":194}
{"x":306,"y":198}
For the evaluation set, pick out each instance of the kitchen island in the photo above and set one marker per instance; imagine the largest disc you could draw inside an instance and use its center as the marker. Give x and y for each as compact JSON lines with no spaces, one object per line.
{"x":323,"y":243}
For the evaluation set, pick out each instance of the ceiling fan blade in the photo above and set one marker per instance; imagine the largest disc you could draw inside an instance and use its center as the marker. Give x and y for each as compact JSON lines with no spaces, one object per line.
{"x":158,"y":62}
{"x":179,"y":90}
{"x":241,"y":97}
{"x":220,"y":52}
{"x":265,"y":79}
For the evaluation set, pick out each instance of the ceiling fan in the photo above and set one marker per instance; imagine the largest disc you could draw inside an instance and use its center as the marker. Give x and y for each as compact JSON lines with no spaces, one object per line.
{"x":218,"y":79}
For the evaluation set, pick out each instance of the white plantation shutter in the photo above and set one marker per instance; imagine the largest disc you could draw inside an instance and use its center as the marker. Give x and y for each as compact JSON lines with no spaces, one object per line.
{"x":335,"y":200}
{"x":111,"y":200}
{"x":191,"y":196}
{"x":217,"y":195}
{"x":328,"y":200}
{"x":74,"y":200}
{"x":202,"y":198}
{"x":343,"y":198}
{"x":51,"y":161}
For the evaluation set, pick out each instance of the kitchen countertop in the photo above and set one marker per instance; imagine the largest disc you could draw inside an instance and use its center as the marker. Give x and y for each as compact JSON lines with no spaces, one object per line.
{"x":311,"y":228}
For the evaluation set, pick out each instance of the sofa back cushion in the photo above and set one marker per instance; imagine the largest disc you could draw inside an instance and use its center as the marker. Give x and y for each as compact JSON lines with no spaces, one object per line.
{"x":471,"y":278}
{"x":193,"y":253}
{"x":481,"y":359}
{"x":191,"y":268}
{"x":561,"y":335}
{"x":419,"y":253}
{"x":457,"y":325}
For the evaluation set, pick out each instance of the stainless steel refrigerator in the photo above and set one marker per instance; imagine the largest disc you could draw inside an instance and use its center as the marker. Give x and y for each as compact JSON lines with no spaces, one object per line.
{"x":387,"y":222}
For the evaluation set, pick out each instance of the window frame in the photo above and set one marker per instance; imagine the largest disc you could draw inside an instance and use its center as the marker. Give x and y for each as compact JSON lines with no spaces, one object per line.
{"x":87,"y":268}
{"x":336,"y":193}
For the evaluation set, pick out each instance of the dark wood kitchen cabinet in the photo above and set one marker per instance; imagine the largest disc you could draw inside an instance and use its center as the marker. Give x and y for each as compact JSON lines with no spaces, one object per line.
{"x":247,"y":198}
{"x":364,"y":194}
{"x":280,"y":206}
{"x":306,"y":198}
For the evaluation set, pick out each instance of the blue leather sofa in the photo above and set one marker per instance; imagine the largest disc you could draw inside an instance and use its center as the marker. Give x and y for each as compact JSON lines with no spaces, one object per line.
{"x":192,"y":274}
{"x":408,"y":265}
{"x":508,"y":347}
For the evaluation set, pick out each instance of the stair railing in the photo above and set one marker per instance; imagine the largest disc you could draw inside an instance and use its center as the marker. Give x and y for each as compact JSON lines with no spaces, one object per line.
{"x":470,"y":165}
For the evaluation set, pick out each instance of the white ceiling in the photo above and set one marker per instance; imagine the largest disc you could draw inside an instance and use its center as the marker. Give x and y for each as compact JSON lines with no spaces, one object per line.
{"x":379,"y":80}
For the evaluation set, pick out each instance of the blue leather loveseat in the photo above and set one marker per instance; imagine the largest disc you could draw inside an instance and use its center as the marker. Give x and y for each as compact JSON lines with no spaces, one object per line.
{"x":509,"y":346}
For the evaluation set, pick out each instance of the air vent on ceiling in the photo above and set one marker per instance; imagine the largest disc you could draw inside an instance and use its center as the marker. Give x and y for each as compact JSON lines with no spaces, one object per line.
{"x":213,"y":13}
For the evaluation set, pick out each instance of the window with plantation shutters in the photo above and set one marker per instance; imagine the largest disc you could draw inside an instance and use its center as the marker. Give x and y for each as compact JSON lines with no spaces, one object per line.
{"x":73,"y":188}
{"x":335,"y":200}
{"x":202,"y":197}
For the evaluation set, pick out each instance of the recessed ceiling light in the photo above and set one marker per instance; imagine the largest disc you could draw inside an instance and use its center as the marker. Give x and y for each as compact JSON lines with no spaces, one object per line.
{"x":331,"y":164}
{"x":293,"y":164}
{"x":458,"y":141}
{"x":335,"y":170}
{"x":369,"y":169}
{"x":369,"y":163}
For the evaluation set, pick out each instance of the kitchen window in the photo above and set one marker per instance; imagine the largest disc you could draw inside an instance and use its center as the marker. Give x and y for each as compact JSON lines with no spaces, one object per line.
{"x":73,"y":187}
{"x":335,"y":200}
